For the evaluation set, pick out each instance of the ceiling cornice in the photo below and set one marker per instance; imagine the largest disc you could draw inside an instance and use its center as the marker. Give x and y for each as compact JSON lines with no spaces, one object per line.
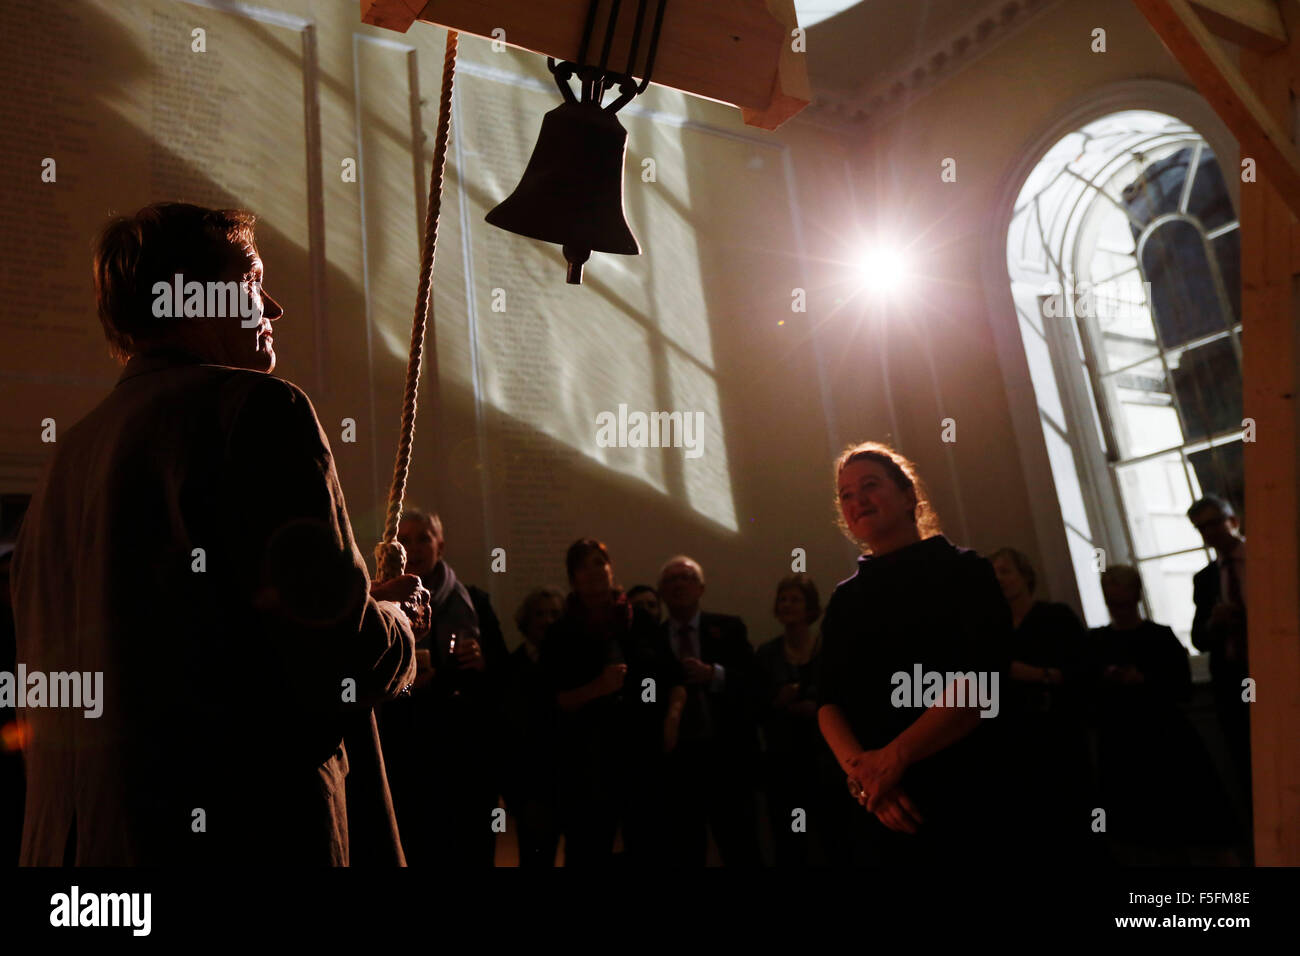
{"x":885,"y":95}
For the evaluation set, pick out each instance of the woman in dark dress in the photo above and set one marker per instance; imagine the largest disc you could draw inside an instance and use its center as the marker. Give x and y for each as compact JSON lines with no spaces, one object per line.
{"x":929,"y":770}
{"x":787,"y":678}
{"x":1045,"y":715}
{"x":613,"y":726}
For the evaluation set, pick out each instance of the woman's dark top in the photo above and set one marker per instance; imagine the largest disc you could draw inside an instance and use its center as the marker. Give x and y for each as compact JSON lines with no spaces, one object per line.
{"x":938,"y":606}
{"x":578,"y":647}
{"x":1156,"y":651}
{"x":1051,"y":635}
{"x":1047,"y":735}
{"x":786,"y":735}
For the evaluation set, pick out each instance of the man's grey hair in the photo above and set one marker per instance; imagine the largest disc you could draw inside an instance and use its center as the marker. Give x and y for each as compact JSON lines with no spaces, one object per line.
{"x":682,"y":559}
{"x":428,"y":518}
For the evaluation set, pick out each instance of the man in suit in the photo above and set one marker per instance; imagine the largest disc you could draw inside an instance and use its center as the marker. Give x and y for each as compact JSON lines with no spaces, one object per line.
{"x":1219,"y":625}
{"x":189,"y":541}
{"x":711,"y":771}
{"x":441,"y":742}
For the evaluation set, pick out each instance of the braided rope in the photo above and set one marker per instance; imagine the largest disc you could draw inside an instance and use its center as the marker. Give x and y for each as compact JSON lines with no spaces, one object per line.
{"x":390,"y":556}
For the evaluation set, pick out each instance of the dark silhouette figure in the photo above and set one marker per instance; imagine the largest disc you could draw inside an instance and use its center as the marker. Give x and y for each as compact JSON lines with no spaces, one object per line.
{"x":532,"y":788}
{"x":441,"y":740}
{"x":712,"y":777}
{"x":787,"y":672}
{"x":1046,"y":717}
{"x":1156,"y":782}
{"x":596,"y":659}
{"x":1219,"y":627}
{"x":189,"y":542}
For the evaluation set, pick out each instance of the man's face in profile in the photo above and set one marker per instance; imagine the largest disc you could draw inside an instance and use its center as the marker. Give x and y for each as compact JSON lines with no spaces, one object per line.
{"x":1217,"y":529}
{"x":239,"y":341}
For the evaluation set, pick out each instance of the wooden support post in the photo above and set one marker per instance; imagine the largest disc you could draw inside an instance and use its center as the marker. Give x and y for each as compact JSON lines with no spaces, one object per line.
{"x":1271,"y":366}
{"x":1254,"y":99}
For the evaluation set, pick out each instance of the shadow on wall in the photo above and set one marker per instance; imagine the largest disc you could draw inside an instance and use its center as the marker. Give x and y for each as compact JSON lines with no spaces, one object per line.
{"x":692,"y":316}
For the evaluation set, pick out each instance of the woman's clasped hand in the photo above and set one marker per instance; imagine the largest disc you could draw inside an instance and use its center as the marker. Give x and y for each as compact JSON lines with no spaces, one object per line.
{"x":878,"y":775}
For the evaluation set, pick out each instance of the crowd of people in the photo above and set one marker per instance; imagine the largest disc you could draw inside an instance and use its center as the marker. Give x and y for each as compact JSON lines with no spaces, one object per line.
{"x":269,"y":704}
{"x":634,"y":723}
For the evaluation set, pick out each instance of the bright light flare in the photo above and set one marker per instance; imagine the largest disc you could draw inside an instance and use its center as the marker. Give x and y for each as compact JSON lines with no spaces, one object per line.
{"x":883,"y":271}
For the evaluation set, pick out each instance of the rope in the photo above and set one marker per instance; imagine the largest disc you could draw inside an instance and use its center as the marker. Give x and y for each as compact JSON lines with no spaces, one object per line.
{"x":390,"y":556}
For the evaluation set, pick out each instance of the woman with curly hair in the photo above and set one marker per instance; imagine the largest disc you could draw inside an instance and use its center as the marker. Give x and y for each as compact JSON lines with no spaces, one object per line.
{"x":923,"y":760}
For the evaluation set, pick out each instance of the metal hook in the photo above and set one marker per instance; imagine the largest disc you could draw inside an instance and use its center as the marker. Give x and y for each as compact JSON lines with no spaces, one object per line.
{"x":562,"y":73}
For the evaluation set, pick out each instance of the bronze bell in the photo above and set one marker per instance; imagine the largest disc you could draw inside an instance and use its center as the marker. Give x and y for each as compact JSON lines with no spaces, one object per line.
{"x":572,"y":191}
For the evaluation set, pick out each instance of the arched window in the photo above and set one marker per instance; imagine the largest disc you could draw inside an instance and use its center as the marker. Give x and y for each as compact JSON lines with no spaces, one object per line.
{"x":1124,"y":258}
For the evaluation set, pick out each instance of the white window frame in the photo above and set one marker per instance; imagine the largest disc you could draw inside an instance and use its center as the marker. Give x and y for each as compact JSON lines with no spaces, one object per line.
{"x":1057,"y":565}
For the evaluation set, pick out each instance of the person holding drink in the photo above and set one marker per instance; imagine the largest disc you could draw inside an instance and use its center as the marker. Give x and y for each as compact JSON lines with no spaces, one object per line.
{"x":618,"y":688}
{"x":440,"y":739}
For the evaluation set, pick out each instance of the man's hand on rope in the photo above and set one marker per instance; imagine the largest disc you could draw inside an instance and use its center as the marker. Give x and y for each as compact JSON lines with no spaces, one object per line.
{"x":411,"y":595}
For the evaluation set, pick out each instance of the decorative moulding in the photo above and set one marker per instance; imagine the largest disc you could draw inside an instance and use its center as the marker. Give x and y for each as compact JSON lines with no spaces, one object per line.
{"x":885,"y":95}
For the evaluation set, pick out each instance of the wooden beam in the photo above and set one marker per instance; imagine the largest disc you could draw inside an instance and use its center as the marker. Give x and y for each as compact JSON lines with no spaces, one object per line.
{"x":391,"y":14}
{"x":1270,"y":300}
{"x":1259,"y":132}
{"x":1256,"y":24}
{"x":738,"y":52}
